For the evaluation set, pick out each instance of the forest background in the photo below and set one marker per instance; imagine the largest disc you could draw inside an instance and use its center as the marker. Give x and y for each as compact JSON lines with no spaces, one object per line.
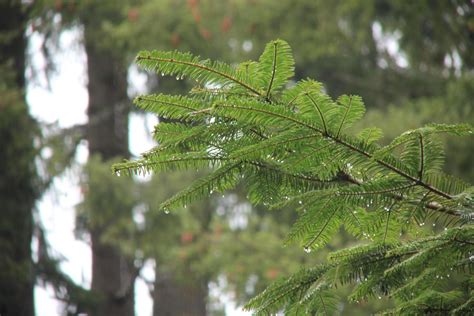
{"x":412,"y":63}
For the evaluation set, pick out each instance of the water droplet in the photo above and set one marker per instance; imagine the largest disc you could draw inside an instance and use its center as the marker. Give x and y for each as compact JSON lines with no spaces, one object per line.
{"x":307,"y":249}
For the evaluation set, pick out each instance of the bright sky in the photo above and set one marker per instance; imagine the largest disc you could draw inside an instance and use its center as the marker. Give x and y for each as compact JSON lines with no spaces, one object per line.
{"x":65,"y":104}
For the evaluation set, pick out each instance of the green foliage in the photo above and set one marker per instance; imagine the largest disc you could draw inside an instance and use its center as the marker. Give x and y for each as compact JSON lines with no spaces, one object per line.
{"x":203,"y":71}
{"x":413,"y":272}
{"x":275,"y":67}
{"x":294,"y":147}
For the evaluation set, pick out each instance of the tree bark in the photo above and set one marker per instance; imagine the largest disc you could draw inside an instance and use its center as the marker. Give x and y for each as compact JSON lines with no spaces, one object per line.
{"x":181,"y":291}
{"x":17,"y":172}
{"x":172,"y":298}
{"x":113,"y":273}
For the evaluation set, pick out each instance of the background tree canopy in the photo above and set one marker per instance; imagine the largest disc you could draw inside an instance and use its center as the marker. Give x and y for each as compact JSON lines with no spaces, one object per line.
{"x":410,"y":63}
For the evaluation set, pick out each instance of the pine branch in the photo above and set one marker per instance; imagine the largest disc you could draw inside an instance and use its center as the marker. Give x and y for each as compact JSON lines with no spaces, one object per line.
{"x":325,"y":130}
{"x":269,"y":89}
{"x":396,"y":170}
{"x":370,"y":134}
{"x":289,"y":117}
{"x":422,"y":158}
{"x":344,"y":117}
{"x":324,"y":305}
{"x":221,"y":179}
{"x":375,"y":192}
{"x":313,"y":240}
{"x":294,"y":175}
{"x":291,"y":145}
{"x":275,"y":67}
{"x":389,"y":212}
{"x":158,"y":61}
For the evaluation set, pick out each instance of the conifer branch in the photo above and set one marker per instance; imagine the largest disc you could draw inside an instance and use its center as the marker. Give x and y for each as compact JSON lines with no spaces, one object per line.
{"x":270,"y":144}
{"x":395,"y":169}
{"x":325,"y":129}
{"x":344,"y":117}
{"x":345,"y":144}
{"x":203,"y":67}
{"x":316,"y":150}
{"x":218,"y":92}
{"x":313,"y":240}
{"x":294,"y":175}
{"x":389,"y":212}
{"x":391,"y":190}
{"x":292,"y":101}
{"x":269,"y":89}
{"x":275,"y":67}
{"x":422,"y":158}
{"x":296,"y":149}
{"x":174,"y":104}
{"x":270,"y":113}
{"x":324,"y":305}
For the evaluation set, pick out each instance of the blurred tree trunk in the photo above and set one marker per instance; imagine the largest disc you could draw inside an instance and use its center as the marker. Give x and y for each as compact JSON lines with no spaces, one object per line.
{"x":113,"y":273}
{"x":171,"y":298}
{"x":182,"y":292}
{"x":17,"y":171}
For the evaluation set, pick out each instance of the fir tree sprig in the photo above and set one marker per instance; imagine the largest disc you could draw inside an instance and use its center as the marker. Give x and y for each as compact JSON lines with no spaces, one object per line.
{"x":292,"y":146}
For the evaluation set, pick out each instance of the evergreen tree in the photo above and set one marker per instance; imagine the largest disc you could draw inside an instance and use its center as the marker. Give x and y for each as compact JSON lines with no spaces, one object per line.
{"x":25,"y":176}
{"x":342,"y":29}
{"x":293,"y":146}
{"x":18,"y":177}
{"x":113,"y":271}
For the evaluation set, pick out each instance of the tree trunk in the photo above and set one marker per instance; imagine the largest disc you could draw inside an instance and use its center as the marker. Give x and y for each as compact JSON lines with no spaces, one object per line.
{"x":113,"y":273}
{"x":183,"y":293}
{"x":171,"y":298}
{"x":17,"y":171}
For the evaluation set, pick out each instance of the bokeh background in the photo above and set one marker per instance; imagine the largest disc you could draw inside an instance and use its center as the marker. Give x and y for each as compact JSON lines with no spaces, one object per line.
{"x":75,"y":239}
